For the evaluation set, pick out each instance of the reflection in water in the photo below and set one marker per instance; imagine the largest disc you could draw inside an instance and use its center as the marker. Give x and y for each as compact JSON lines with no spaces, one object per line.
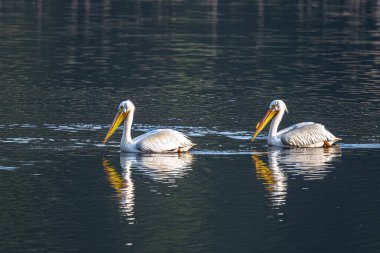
{"x":73,"y":57}
{"x":274,"y":180}
{"x":311,"y":163}
{"x":159,"y":167}
{"x":123,"y":185}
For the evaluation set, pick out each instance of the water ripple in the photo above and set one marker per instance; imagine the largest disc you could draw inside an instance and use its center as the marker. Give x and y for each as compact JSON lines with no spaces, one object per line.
{"x":7,"y":167}
{"x":76,"y":140}
{"x":21,"y":140}
{"x":359,"y":145}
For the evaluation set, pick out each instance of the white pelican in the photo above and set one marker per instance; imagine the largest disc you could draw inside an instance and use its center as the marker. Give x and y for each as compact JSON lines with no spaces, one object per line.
{"x":305,"y":134}
{"x":156,"y":141}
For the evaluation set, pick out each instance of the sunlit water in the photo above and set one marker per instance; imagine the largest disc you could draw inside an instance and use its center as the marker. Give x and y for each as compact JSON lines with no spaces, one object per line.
{"x":207,"y":69}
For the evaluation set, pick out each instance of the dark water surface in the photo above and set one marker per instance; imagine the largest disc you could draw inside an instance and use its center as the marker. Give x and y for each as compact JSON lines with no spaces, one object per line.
{"x":208,"y":69}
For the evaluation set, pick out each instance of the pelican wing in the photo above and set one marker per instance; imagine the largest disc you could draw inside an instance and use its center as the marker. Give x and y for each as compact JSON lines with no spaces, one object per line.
{"x":290,"y":128}
{"x":307,"y":135}
{"x":163,"y":140}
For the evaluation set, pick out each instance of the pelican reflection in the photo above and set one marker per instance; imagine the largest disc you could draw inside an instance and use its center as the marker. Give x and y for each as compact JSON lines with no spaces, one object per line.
{"x":159,"y":167}
{"x":123,"y":185}
{"x":310,"y":163}
{"x":274,"y":179}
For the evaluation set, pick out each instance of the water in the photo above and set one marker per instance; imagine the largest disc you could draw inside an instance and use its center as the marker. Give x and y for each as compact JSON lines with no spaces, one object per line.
{"x":208,"y":69}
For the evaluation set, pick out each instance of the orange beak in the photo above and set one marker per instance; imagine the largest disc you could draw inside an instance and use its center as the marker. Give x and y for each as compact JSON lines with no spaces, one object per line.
{"x":119,"y":117}
{"x":261,"y":125}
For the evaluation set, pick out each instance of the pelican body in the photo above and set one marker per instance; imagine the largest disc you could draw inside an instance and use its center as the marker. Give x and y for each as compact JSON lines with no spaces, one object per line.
{"x":305,"y":134}
{"x":156,"y":141}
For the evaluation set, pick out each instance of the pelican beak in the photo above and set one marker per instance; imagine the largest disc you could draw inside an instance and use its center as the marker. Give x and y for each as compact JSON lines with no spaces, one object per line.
{"x":260,"y":126}
{"x":119,"y":117}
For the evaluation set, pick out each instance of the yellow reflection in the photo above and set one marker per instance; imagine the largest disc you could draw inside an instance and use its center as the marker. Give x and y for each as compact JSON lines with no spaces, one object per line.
{"x":274,"y":180}
{"x":114,"y":178}
{"x":123,"y":186}
{"x":159,"y":167}
{"x":308,"y":163}
{"x":264,"y":173}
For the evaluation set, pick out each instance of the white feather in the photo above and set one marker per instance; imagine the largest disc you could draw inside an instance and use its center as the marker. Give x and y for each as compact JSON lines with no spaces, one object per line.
{"x":307,"y":136}
{"x":158,"y":141}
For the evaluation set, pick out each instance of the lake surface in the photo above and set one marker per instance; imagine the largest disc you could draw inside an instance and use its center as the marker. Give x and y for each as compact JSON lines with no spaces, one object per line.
{"x":208,"y":69}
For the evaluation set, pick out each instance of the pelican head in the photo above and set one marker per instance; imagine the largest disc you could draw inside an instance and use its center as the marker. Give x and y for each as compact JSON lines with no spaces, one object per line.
{"x":122,"y":112}
{"x":275,"y":107}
